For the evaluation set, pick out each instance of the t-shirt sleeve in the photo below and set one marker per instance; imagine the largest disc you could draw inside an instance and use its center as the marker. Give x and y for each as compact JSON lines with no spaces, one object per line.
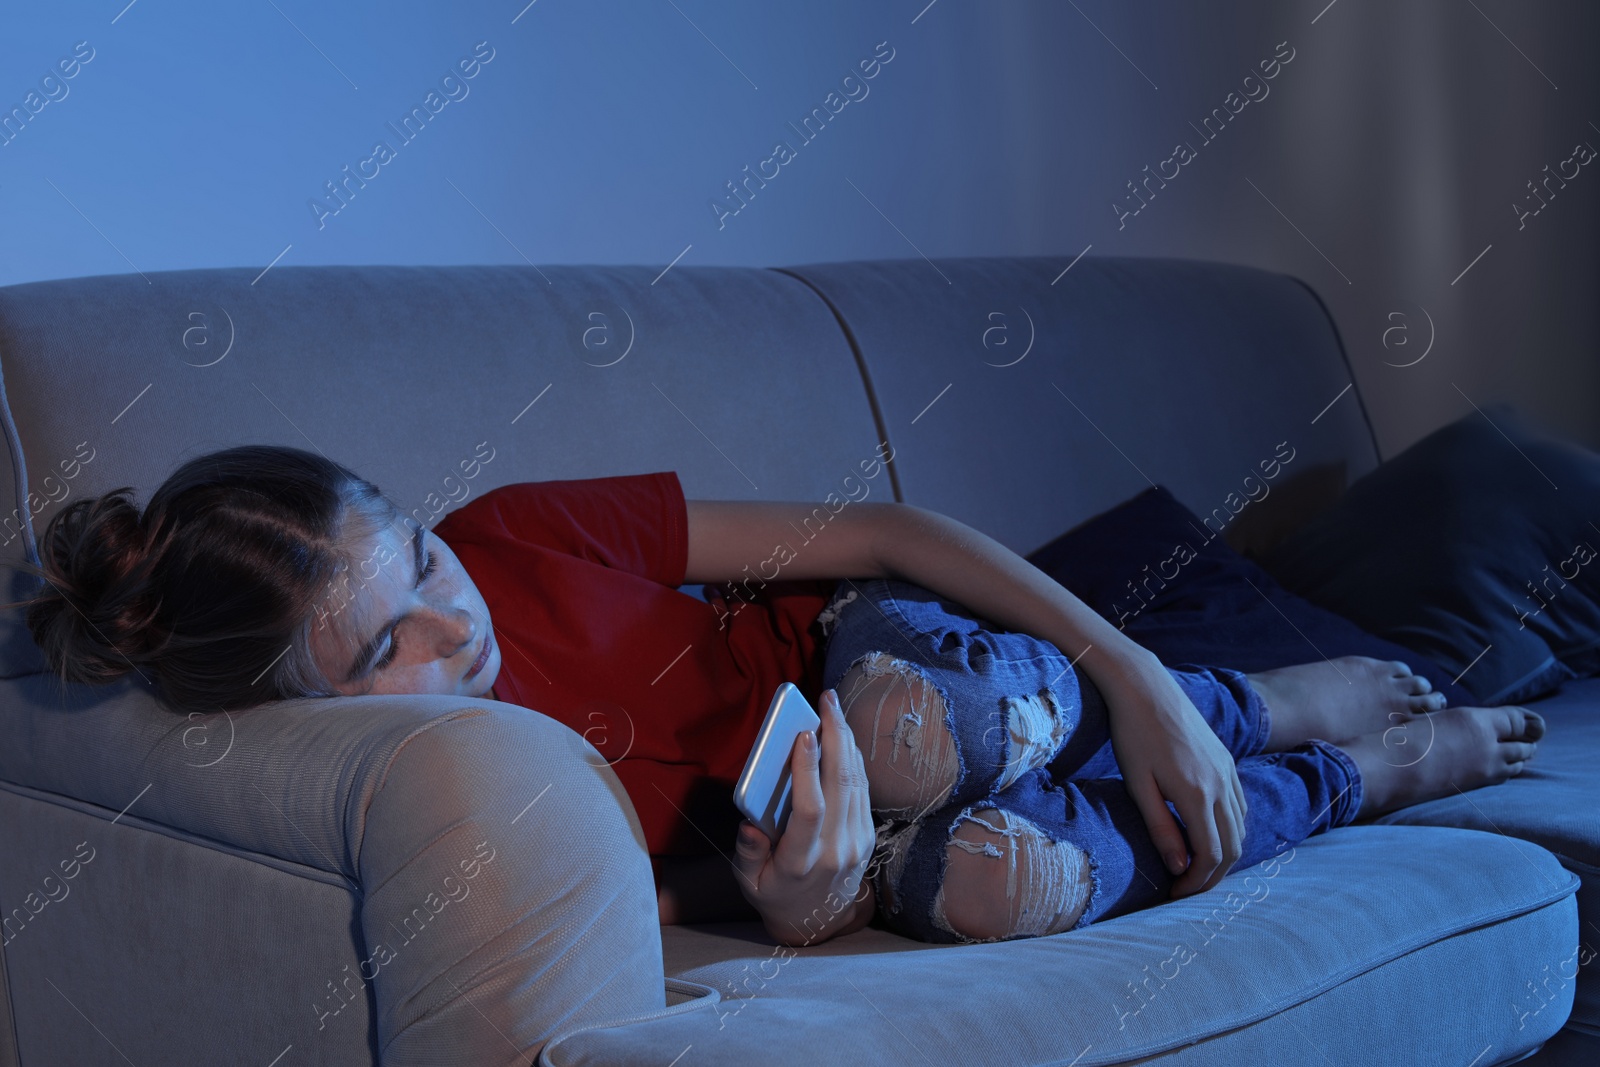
{"x":637,"y":523}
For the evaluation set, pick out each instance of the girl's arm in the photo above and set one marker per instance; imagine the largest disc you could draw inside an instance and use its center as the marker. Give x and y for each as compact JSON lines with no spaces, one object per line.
{"x":1164,"y":748}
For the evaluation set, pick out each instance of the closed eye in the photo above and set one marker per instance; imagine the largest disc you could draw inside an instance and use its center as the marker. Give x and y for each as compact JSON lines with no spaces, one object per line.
{"x":394,"y":641}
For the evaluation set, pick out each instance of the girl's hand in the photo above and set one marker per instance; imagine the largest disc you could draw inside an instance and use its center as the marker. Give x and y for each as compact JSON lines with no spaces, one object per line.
{"x":1167,"y":752}
{"x":815,"y":875}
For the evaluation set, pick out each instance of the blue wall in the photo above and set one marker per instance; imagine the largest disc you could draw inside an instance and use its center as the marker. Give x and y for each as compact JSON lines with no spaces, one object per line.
{"x":1382,"y":157}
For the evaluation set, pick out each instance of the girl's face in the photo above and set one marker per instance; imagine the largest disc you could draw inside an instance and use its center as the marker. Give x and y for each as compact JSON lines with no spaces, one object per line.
{"x":401,"y":628}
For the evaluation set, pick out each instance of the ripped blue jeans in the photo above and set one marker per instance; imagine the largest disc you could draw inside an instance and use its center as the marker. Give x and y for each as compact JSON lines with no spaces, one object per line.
{"x":1000,"y":808}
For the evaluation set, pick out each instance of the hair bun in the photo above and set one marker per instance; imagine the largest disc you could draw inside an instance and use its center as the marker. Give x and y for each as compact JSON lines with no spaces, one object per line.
{"x":93,"y":616}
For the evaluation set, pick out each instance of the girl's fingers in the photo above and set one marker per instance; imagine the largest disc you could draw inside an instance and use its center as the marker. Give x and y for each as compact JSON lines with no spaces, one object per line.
{"x":1158,"y":820}
{"x":858,"y":821}
{"x":831,"y":815}
{"x":798,"y":845}
{"x":838,"y":759}
{"x":848,"y":824}
{"x":1205,"y":843}
{"x":1230,"y":828}
{"x":751,"y":849}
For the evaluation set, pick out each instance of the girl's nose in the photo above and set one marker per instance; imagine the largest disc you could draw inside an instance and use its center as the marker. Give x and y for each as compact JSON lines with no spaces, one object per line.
{"x":456,"y":629}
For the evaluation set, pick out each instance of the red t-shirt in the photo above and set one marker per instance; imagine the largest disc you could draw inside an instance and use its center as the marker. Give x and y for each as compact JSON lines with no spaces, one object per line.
{"x":580,"y":576}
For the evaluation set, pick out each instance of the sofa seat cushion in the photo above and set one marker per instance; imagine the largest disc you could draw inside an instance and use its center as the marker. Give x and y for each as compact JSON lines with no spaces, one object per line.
{"x":1554,"y":803}
{"x":1382,"y":931}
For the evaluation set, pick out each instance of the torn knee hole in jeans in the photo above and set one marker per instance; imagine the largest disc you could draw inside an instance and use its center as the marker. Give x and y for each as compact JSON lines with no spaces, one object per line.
{"x":1007,"y":879}
{"x":1036,"y":728}
{"x":922,"y":766}
{"x":889,"y":854}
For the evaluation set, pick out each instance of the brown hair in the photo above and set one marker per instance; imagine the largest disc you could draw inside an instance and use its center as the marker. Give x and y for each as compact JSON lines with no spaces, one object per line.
{"x":215,"y":588}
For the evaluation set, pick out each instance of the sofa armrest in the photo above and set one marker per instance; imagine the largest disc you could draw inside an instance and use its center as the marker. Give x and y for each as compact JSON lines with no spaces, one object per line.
{"x":507,"y":891}
{"x":503,"y":883}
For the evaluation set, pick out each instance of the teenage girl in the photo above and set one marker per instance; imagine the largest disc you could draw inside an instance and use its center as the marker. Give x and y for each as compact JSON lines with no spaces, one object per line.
{"x":995,"y":760}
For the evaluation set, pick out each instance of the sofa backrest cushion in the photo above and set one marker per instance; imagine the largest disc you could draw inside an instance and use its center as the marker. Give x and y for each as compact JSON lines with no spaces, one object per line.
{"x":1022,"y":398}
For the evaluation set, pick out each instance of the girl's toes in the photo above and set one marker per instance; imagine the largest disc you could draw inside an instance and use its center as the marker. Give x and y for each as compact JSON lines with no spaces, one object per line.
{"x":1427,"y":702}
{"x":1517,"y":753}
{"x":1519,"y":724}
{"x":1417,"y":684}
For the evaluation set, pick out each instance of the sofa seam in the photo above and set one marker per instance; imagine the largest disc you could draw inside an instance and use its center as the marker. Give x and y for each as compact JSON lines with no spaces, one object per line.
{"x":1573,"y":866}
{"x":709,"y":998}
{"x":1345,"y":978}
{"x":1480,"y":921}
{"x":175,"y":833}
{"x":10,"y":1047}
{"x":1344,"y":357}
{"x":19,"y":472}
{"x":861,"y":368}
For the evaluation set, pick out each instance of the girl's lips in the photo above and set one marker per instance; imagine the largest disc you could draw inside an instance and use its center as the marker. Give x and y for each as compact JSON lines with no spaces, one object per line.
{"x":483,"y":657}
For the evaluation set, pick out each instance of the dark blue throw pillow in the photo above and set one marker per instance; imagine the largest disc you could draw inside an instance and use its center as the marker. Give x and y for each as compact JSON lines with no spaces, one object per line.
{"x":1476,"y":546}
{"x":1168,"y":581}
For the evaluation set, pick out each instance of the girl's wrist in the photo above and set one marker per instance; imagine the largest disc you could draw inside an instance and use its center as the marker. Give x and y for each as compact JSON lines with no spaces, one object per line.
{"x":1119,"y":664}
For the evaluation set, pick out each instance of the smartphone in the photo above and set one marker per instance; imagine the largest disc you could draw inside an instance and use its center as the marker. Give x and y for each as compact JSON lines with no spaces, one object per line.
{"x":762,"y":793}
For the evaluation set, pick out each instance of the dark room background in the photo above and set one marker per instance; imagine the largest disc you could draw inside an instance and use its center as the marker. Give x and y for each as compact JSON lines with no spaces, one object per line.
{"x":1421,"y":163}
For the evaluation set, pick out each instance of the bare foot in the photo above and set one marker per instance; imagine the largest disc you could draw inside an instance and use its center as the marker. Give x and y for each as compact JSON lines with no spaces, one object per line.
{"x":1341,"y":698}
{"x":1436,"y":754}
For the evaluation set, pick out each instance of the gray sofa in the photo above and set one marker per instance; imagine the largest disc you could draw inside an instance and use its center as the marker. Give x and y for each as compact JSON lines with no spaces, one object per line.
{"x":428,"y":880}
